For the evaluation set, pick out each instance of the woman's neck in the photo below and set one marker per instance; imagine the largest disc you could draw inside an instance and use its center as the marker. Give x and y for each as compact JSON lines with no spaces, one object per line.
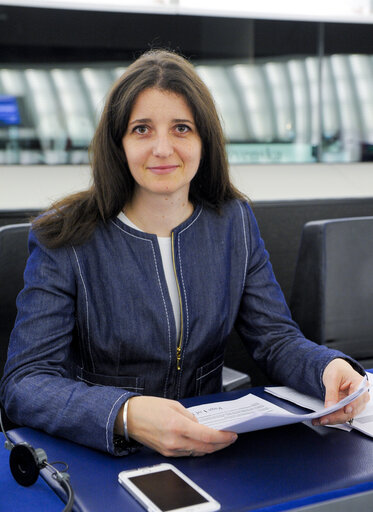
{"x":158,"y":215}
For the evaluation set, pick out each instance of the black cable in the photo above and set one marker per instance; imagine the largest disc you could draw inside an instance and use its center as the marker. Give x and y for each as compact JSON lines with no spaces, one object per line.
{"x":8,"y":443}
{"x":62,"y":478}
{"x":65,"y":484}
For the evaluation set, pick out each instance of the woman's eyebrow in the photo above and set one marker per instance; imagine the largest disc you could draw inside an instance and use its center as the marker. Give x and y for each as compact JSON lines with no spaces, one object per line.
{"x":183,"y":121}
{"x":148,"y":120}
{"x":145,"y":120}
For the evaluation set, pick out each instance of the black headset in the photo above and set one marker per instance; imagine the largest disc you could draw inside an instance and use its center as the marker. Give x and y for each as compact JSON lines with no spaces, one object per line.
{"x":26,"y":462}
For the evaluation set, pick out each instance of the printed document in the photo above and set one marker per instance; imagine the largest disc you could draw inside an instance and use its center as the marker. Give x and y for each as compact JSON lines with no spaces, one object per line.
{"x":362,"y":422}
{"x":253,"y":413}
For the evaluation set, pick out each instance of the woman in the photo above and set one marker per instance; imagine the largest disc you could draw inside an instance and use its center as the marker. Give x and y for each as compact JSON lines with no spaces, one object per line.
{"x":132,"y":287}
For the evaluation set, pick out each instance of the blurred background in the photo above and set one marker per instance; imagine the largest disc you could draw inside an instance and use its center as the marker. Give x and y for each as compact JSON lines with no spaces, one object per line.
{"x":292,"y":83}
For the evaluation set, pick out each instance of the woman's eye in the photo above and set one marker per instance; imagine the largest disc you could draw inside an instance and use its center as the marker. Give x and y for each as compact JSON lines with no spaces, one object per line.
{"x":141,"y":130}
{"x":182,"y":128}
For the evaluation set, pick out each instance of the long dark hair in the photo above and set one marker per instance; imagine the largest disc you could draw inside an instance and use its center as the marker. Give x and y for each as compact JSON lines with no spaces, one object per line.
{"x":73,"y":219}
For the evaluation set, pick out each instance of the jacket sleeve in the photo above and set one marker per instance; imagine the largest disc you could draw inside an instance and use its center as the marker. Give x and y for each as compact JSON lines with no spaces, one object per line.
{"x":265,"y":325}
{"x":38,"y":388}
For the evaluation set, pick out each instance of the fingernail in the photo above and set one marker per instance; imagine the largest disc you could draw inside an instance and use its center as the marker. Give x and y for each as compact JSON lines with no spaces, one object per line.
{"x":234,"y":438}
{"x":324,"y":421}
{"x":348,"y":409}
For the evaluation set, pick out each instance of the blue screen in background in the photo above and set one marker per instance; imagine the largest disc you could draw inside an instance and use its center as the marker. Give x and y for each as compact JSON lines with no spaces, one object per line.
{"x":9,"y":112}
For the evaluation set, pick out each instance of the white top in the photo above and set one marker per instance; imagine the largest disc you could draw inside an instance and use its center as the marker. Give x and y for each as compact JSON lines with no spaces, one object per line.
{"x":166,"y":254}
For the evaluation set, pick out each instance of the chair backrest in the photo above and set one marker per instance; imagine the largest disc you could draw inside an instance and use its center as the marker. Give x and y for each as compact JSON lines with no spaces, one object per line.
{"x":13,"y":256}
{"x":332,"y":295}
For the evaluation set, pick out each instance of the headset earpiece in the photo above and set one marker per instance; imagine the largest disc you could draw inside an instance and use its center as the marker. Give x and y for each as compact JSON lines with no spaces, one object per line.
{"x":26,"y":462}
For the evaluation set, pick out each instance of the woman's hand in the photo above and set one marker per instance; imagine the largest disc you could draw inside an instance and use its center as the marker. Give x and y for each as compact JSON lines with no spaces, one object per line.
{"x":170,"y":429}
{"x":340,"y":380}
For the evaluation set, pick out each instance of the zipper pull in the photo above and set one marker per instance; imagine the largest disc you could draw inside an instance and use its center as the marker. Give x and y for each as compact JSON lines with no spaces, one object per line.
{"x":178,"y":357}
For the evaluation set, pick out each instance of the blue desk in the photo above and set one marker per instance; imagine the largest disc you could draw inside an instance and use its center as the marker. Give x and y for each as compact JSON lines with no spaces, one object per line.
{"x":14,"y":498}
{"x":272,"y":470}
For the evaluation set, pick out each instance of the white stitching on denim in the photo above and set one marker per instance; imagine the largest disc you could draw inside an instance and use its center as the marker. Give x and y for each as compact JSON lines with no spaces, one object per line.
{"x":164,"y":302}
{"x":191,"y":224}
{"x":185,"y":297}
{"x":108,"y":419}
{"x":246,"y":249}
{"x":131,"y":234}
{"x":181,"y":269}
{"x":87,"y":311}
{"x":182,"y":281}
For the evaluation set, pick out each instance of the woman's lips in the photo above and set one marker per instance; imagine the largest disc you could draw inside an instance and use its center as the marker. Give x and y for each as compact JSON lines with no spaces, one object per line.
{"x":163,"y":169}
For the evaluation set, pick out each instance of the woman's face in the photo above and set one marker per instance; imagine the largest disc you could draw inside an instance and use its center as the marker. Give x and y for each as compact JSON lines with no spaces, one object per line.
{"x":162,"y":144}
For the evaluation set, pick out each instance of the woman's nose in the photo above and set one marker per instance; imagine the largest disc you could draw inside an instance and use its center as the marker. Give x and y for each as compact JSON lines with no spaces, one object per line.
{"x":162,"y":146}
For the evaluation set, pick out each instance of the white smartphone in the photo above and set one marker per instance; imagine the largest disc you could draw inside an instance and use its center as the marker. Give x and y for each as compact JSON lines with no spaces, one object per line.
{"x":164,"y":488}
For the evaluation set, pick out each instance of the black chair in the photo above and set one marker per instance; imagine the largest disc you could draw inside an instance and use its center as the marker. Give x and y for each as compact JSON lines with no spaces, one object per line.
{"x":332,"y":295}
{"x":13,"y":256}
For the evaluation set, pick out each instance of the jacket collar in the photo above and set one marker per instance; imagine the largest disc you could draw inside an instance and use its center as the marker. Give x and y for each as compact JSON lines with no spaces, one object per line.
{"x":181,"y":227}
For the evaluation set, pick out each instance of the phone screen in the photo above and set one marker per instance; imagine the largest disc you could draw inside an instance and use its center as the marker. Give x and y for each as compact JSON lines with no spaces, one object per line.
{"x":167,"y":490}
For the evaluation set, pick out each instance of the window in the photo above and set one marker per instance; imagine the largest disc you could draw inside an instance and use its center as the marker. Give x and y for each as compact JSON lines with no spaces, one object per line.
{"x":286,"y":90}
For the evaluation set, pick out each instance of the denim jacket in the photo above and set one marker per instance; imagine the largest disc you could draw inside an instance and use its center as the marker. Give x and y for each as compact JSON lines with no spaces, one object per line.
{"x":95,"y":323}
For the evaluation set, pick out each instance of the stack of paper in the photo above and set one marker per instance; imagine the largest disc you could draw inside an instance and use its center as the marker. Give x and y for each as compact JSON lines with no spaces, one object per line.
{"x":253,"y":413}
{"x":362,"y":422}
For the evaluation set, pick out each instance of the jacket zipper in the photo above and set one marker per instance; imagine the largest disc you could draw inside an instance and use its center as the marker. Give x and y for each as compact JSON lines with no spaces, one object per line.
{"x":179,"y":345}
